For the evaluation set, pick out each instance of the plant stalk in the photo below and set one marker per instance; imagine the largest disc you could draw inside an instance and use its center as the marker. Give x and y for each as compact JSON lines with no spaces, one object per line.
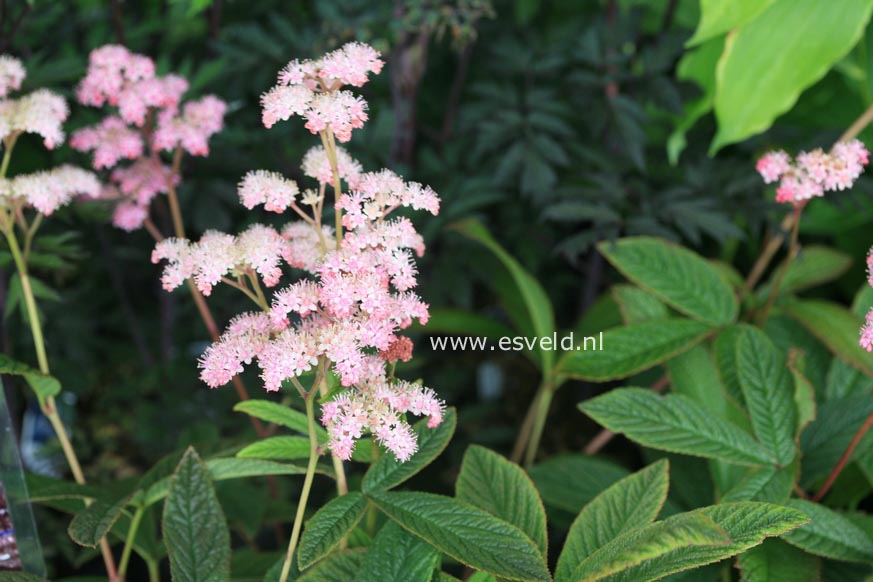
{"x":128,"y":542}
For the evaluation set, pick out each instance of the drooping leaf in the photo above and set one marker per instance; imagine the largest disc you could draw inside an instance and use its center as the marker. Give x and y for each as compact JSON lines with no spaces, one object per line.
{"x":776,"y":561}
{"x":91,"y":524}
{"x":466,"y":533}
{"x":330,"y":524}
{"x":388,"y":472}
{"x":673,"y":423}
{"x":829,"y":534}
{"x":677,"y":276}
{"x":836,"y":327}
{"x":754,"y":88}
{"x":492,"y":483}
{"x":277,"y":448}
{"x":632,"y":349}
{"x":570,"y":482}
{"x":633,"y":502}
{"x":768,"y":392}
{"x":398,"y":556}
{"x":195,"y":531}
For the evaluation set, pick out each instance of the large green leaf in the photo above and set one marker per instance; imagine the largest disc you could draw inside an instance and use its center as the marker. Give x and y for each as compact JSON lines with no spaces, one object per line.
{"x":631,"y":503}
{"x":673,"y":423}
{"x":773,"y":58}
{"x":570,"y":482}
{"x":718,"y":17}
{"x":637,"y":547}
{"x":746,"y":524}
{"x":337,"y":567}
{"x":628,"y":350}
{"x":769,"y":393}
{"x":277,"y":448}
{"x":829,"y":534}
{"x":776,"y":561}
{"x":836,"y":327}
{"x":91,"y":524}
{"x":492,"y":483}
{"x":535,"y":299}
{"x":195,"y":531}
{"x":329,"y":526}
{"x":398,"y":556}
{"x":679,"y":277}
{"x":278,"y":414}
{"x":466,"y":533}
{"x":388,"y":472}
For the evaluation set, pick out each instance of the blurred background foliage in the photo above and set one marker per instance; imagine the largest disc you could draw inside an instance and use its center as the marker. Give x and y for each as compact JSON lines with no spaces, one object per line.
{"x":557,"y":124}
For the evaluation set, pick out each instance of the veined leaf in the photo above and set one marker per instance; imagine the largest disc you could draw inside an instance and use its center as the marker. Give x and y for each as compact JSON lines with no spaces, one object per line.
{"x":836,"y":327}
{"x":388,"y":472}
{"x":570,"y":482}
{"x":195,"y":531}
{"x":765,"y":484}
{"x":725,"y":351}
{"x":637,"y":305}
{"x":677,"y":276}
{"x":330,"y":524}
{"x":91,"y":524}
{"x":337,"y":567}
{"x":673,"y":423}
{"x":717,"y":18}
{"x":277,"y":448}
{"x":826,"y":438}
{"x":829,"y":534}
{"x":769,"y":393}
{"x":776,"y":561}
{"x":630,"y":503}
{"x":694,"y":375}
{"x":398,"y":556}
{"x":467,"y":534}
{"x":282,"y":415}
{"x":804,"y":394}
{"x":632,"y":349}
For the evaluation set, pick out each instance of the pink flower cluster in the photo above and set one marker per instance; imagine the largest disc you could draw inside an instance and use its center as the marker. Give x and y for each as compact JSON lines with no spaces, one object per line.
{"x":866,"y":340}
{"x":313,"y":90}
{"x":41,"y":112}
{"x":150,"y":118}
{"x":814,"y":173}
{"x":316,"y":165}
{"x":12,"y":74}
{"x":46,"y":191}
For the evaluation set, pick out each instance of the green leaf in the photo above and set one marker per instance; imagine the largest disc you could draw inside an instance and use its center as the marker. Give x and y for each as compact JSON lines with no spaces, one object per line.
{"x":673,"y":423}
{"x":776,"y":561}
{"x":639,"y":546}
{"x":20,"y":577}
{"x":677,"y":276}
{"x":535,"y":299}
{"x":725,"y":350}
{"x":825,"y":439}
{"x":746,"y":524}
{"x":765,"y":484}
{"x":398,"y":556}
{"x":337,"y":567}
{"x":694,"y":375}
{"x":637,"y":305}
{"x":195,"y":531}
{"x":91,"y":524}
{"x":492,"y":483}
{"x":804,"y":394}
{"x":815,"y":265}
{"x":632,"y":349}
{"x":277,"y":448}
{"x":769,"y":393}
{"x":836,"y":327}
{"x":329,"y":526}
{"x":278,"y":414}
{"x":754,"y":87}
{"x":718,"y":17}
{"x":466,"y":533}
{"x":829,"y":534}
{"x":570,"y":482}
{"x":388,"y":472}
{"x":630,"y":503}
{"x":42,"y":385}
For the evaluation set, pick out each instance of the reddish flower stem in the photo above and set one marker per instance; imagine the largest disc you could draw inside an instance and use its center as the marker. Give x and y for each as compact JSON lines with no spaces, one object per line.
{"x":844,"y":459}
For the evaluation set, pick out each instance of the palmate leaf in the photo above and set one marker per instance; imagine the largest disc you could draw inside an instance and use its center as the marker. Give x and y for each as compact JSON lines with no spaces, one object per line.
{"x":677,"y":276}
{"x":776,"y":561}
{"x":632,"y":349}
{"x":769,"y":393}
{"x":829,"y":534}
{"x":674,"y":423}
{"x":398,"y":556}
{"x":467,"y":534}
{"x":633,"y":502}
{"x":330,"y":524}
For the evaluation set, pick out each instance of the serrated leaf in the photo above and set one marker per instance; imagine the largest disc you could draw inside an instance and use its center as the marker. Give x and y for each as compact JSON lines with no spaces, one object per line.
{"x":829,"y":534}
{"x":330,"y":524}
{"x":282,"y":415}
{"x":637,"y":305}
{"x":633,"y":502}
{"x":466,"y":533}
{"x":673,"y":423}
{"x":398,"y":556}
{"x":195,"y":531}
{"x":765,"y":484}
{"x":91,"y":524}
{"x":768,"y":392}
{"x":776,"y":561}
{"x":42,"y":385}
{"x":277,"y":448}
{"x":677,"y":276}
{"x":725,"y":351}
{"x":717,"y":17}
{"x":492,"y":483}
{"x":388,"y":472}
{"x":570,"y":482}
{"x":632,"y":349}
{"x":753,"y":88}
{"x":337,"y":567}
{"x":836,"y":327}
{"x":637,"y":547}
{"x":826,"y":438}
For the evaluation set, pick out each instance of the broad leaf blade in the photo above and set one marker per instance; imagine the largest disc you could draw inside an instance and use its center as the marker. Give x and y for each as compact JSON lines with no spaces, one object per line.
{"x":829,"y":534}
{"x":330,"y":524}
{"x":570,"y":482}
{"x":278,"y":414}
{"x":398,"y":556}
{"x":277,"y":448}
{"x":776,"y":561}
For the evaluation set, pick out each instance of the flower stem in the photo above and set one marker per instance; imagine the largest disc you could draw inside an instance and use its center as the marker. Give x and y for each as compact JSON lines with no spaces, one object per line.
{"x":342,"y":485}
{"x":539,"y":422}
{"x":844,"y":459}
{"x":128,"y":542}
{"x":175,"y":209}
{"x":793,"y":249}
{"x":526,"y":427}
{"x":307,"y":487}
{"x":330,"y":149}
